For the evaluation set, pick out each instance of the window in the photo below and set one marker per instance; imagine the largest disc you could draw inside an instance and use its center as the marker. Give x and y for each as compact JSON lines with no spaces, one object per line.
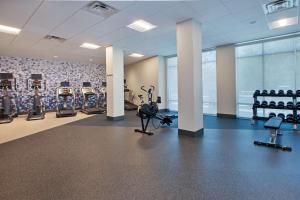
{"x":209,"y":90}
{"x":172,"y":84}
{"x":266,"y":65}
{"x":208,"y":79}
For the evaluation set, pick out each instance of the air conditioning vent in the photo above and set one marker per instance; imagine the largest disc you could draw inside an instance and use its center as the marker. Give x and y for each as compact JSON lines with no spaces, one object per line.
{"x":102,"y":9}
{"x":279,"y":5}
{"x":55,"y":38}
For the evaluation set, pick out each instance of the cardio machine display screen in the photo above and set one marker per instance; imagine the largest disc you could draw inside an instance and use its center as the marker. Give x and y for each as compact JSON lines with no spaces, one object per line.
{"x":65,"y":84}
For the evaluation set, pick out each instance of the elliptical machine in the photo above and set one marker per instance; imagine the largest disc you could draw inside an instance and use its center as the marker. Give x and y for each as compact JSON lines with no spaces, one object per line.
{"x":149,"y":111}
{"x":64,"y":108}
{"x":37,"y":111}
{"x":88,"y":92}
{"x":8,"y":106}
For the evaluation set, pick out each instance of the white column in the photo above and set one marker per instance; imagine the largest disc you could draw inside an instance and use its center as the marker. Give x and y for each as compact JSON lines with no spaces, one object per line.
{"x":189,"y":52}
{"x":115,"y":83}
{"x":226,"y":87}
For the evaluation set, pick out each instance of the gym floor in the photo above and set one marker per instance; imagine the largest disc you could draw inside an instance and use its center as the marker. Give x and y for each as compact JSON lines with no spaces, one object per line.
{"x":96,"y":159}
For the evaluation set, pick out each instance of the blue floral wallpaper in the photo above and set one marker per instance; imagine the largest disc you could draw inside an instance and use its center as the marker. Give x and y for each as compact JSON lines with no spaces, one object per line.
{"x":53,"y":72}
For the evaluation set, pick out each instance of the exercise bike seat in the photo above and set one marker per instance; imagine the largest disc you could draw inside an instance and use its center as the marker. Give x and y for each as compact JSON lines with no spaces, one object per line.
{"x":273,"y":123}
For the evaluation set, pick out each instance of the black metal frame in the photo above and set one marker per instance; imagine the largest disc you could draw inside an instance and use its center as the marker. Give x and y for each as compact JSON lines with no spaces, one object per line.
{"x":144,"y":128}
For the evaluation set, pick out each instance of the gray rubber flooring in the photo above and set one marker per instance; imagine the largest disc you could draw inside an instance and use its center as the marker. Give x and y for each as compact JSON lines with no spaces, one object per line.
{"x":96,"y":159}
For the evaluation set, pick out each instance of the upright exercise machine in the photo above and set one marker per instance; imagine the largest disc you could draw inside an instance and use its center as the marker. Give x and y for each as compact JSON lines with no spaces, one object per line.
{"x":149,"y":111}
{"x":90,"y":103}
{"x":65,"y":98}
{"x":8,"y":105}
{"x":37,"y":110}
{"x":128,"y":103}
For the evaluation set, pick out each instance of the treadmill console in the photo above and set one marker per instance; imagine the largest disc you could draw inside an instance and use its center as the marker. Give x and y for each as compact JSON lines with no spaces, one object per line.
{"x":64,"y":91}
{"x":5,"y":84}
{"x":37,"y":84}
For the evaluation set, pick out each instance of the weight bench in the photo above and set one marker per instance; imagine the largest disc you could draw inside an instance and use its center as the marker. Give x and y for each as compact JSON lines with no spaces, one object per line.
{"x":273,"y":124}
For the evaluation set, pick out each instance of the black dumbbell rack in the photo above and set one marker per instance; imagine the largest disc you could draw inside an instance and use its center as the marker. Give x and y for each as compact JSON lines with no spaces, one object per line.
{"x":294,"y":109}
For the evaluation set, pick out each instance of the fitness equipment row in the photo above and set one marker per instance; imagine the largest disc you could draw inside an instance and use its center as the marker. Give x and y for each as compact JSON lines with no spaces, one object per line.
{"x":294,"y":106}
{"x":289,"y":118}
{"x":280,"y":105}
{"x":65,"y":96}
{"x":280,"y":93}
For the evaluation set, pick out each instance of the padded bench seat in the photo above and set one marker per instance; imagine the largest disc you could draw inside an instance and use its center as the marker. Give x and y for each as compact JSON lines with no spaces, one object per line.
{"x":273,"y":123}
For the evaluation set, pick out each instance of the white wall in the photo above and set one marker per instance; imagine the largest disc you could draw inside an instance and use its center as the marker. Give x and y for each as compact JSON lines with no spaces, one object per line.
{"x":147,"y":72}
{"x":226,"y":87}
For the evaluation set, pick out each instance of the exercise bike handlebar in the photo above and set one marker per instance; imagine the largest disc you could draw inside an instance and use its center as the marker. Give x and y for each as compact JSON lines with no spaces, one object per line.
{"x":151,"y":87}
{"x":143,"y":88}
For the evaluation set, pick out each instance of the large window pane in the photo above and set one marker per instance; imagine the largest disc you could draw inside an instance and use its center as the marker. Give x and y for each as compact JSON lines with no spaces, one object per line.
{"x":172,"y":84}
{"x":209,"y":89}
{"x":249,"y":76}
{"x":208,"y":78}
{"x":266,"y":65}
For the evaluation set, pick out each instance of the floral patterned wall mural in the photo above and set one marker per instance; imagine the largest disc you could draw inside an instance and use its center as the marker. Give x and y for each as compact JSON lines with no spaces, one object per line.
{"x":53,"y":72}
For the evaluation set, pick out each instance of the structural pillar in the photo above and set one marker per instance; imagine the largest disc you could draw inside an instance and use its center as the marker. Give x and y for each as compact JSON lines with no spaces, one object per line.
{"x":226,"y":86}
{"x":115,"y":83}
{"x":189,"y":58}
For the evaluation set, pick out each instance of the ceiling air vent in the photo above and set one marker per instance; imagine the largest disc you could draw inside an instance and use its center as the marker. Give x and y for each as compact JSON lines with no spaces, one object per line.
{"x":279,"y":5}
{"x":102,"y":9}
{"x":55,"y":38}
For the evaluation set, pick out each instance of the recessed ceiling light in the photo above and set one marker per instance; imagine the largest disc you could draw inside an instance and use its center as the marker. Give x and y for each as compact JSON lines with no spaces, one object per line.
{"x":55,"y":56}
{"x":141,"y":26}
{"x":283,"y":22}
{"x":9,"y":30}
{"x":136,"y":55}
{"x":90,"y":46}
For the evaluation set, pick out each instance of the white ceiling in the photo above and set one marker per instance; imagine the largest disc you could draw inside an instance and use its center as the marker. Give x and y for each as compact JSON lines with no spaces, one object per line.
{"x":223,"y":22}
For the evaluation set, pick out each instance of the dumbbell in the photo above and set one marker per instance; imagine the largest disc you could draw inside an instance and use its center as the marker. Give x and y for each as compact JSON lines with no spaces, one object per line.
{"x":298,"y":105}
{"x":290,"y":118}
{"x":280,"y":93}
{"x":272,"y":115}
{"x":280,"y":104}
{"x":290,"y":105}
{"x":264,"y":104}
{"x":281,"y":115}
{"x":256,"y":104}
{"x":298,"y":93}
{"x":272,"y":104}
{"x":290,"y":93}
{"x":264,"y":92}
{"x":256,"y":93}
{"x":272,"y":93}
{"x":298,"y":119}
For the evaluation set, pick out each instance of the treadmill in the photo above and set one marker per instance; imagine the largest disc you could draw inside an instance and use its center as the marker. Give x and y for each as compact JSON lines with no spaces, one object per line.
{"x":37,"y":112}
{"x":8,"y":108}
{"x":129,"y":106}
{"x":88,"y":106}
{"x":66,"y":106}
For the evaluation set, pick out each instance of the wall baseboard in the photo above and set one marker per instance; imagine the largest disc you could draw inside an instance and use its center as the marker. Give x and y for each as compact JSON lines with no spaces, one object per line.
{"x":118,"y":118}
{"x":198,"y":133}
{"x":226,"y":116}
